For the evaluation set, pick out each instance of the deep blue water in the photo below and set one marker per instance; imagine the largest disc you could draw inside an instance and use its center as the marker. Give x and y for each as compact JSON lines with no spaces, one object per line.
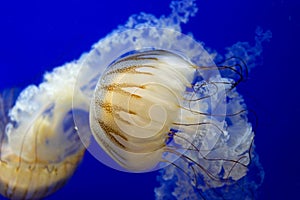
{"x":36,"y":36}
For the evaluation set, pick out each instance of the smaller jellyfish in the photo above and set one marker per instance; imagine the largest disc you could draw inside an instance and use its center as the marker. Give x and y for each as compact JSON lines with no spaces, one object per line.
{"x":39,"y":147}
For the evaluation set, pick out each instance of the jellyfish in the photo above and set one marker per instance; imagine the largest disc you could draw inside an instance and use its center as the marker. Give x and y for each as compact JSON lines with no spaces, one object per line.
{"x":162,"y":102}
{"x":157,"y":100}
{"x":40,"y":148}
{"x":146,"y":97}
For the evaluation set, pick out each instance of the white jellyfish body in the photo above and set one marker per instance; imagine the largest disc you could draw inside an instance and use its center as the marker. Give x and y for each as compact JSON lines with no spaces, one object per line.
{"x":40,"y":148}
{"x":135,"y":105}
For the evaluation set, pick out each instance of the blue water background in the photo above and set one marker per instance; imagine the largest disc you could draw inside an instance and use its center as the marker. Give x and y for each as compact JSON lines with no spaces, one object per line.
{"x":36,"y":36}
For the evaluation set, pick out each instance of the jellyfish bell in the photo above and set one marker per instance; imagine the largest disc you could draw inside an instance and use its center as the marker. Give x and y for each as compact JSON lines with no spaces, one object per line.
{"x":135,"y":104}
{"x":140,"y":89}
{"x":40,"y":148}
